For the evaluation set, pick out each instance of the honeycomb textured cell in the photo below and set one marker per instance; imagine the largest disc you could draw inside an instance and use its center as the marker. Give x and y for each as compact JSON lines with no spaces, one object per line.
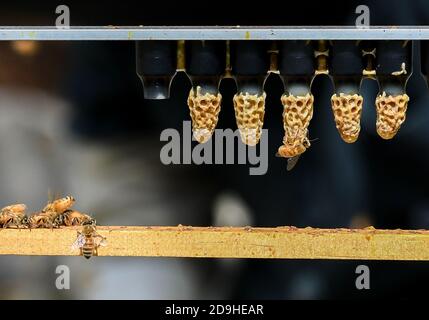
{"x":297,"y":113}
{"x":249,"y":114}
{"x":204,"y":110}
{"x":391,"y":112}
{"x":347,"y":111}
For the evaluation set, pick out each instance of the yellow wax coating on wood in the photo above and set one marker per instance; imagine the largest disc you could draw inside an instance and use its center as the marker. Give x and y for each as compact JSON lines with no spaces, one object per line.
{"x":228,"y":242}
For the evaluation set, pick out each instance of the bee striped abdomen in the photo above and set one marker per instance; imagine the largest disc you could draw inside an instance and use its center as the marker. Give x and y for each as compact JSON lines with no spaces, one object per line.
{"x":88,"y":240}
{"x":60,"y":205}
{"x":88,"y":247}
{"x":76,"y":218}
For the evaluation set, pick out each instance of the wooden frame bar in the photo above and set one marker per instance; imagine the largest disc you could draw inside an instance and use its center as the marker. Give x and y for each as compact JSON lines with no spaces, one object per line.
{"x":228,"y":242}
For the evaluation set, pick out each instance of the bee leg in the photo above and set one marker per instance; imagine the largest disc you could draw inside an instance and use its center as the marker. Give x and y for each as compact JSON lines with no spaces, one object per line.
{"x":19,"y":225}
{"x":5,"y":225}
{"x":9,"y":223}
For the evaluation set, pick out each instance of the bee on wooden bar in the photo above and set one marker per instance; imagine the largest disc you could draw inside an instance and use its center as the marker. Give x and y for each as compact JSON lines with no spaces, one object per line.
{"x":13,"y":215}
{"x":88,"y":241}
{"x":73,"y":218}
{"x":42,"y":220}
{"x":48,"y":216}
{"x":60,"y":205}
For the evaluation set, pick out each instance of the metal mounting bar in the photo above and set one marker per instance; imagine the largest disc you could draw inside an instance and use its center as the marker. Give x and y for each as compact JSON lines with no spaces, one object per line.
{"x":215,"y":33}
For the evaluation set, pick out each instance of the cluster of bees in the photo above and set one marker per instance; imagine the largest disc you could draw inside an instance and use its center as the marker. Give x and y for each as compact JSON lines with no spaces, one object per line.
{"x":56,"y":214}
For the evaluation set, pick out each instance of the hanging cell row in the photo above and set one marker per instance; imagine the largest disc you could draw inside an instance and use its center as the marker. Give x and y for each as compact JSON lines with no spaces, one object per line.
{"x":297,"y":63}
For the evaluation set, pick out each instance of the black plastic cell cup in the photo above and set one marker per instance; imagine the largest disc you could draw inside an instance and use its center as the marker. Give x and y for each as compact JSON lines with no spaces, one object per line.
{"x":205,"y":61}
{"x":250,"y":64}
{"x":296,"y":65}
{"x":346,"y":58}
{"x":156,"y":63}
{"x":346,"y":66}
{"x":393,"y":56}
{"x":390,"y":56}
{"x":296,"y":58}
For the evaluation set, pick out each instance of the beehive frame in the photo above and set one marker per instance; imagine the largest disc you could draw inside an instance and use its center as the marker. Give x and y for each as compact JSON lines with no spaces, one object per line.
{"x":223,"y":242}
{"x":228,"y":242}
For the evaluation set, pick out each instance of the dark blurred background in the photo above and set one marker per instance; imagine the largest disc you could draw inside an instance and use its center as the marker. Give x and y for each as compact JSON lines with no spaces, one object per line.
{"x":74,"y":121}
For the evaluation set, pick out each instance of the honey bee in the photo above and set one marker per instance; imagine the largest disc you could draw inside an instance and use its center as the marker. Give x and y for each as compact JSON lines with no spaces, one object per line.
{"x":294,"y":152}
{"x":88,"y":241}
{"x":41,"y":220}
{"x":48,"y":216}
{"x":73,"y":218}
{"x":60,"y":205}
{"x":13,"y":215}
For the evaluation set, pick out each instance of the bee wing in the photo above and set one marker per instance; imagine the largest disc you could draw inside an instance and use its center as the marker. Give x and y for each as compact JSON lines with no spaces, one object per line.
{"x":100,"y":241}
{"x":80,"y":241}
{"x":18,"y":208}
{"x":291,"y":162}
